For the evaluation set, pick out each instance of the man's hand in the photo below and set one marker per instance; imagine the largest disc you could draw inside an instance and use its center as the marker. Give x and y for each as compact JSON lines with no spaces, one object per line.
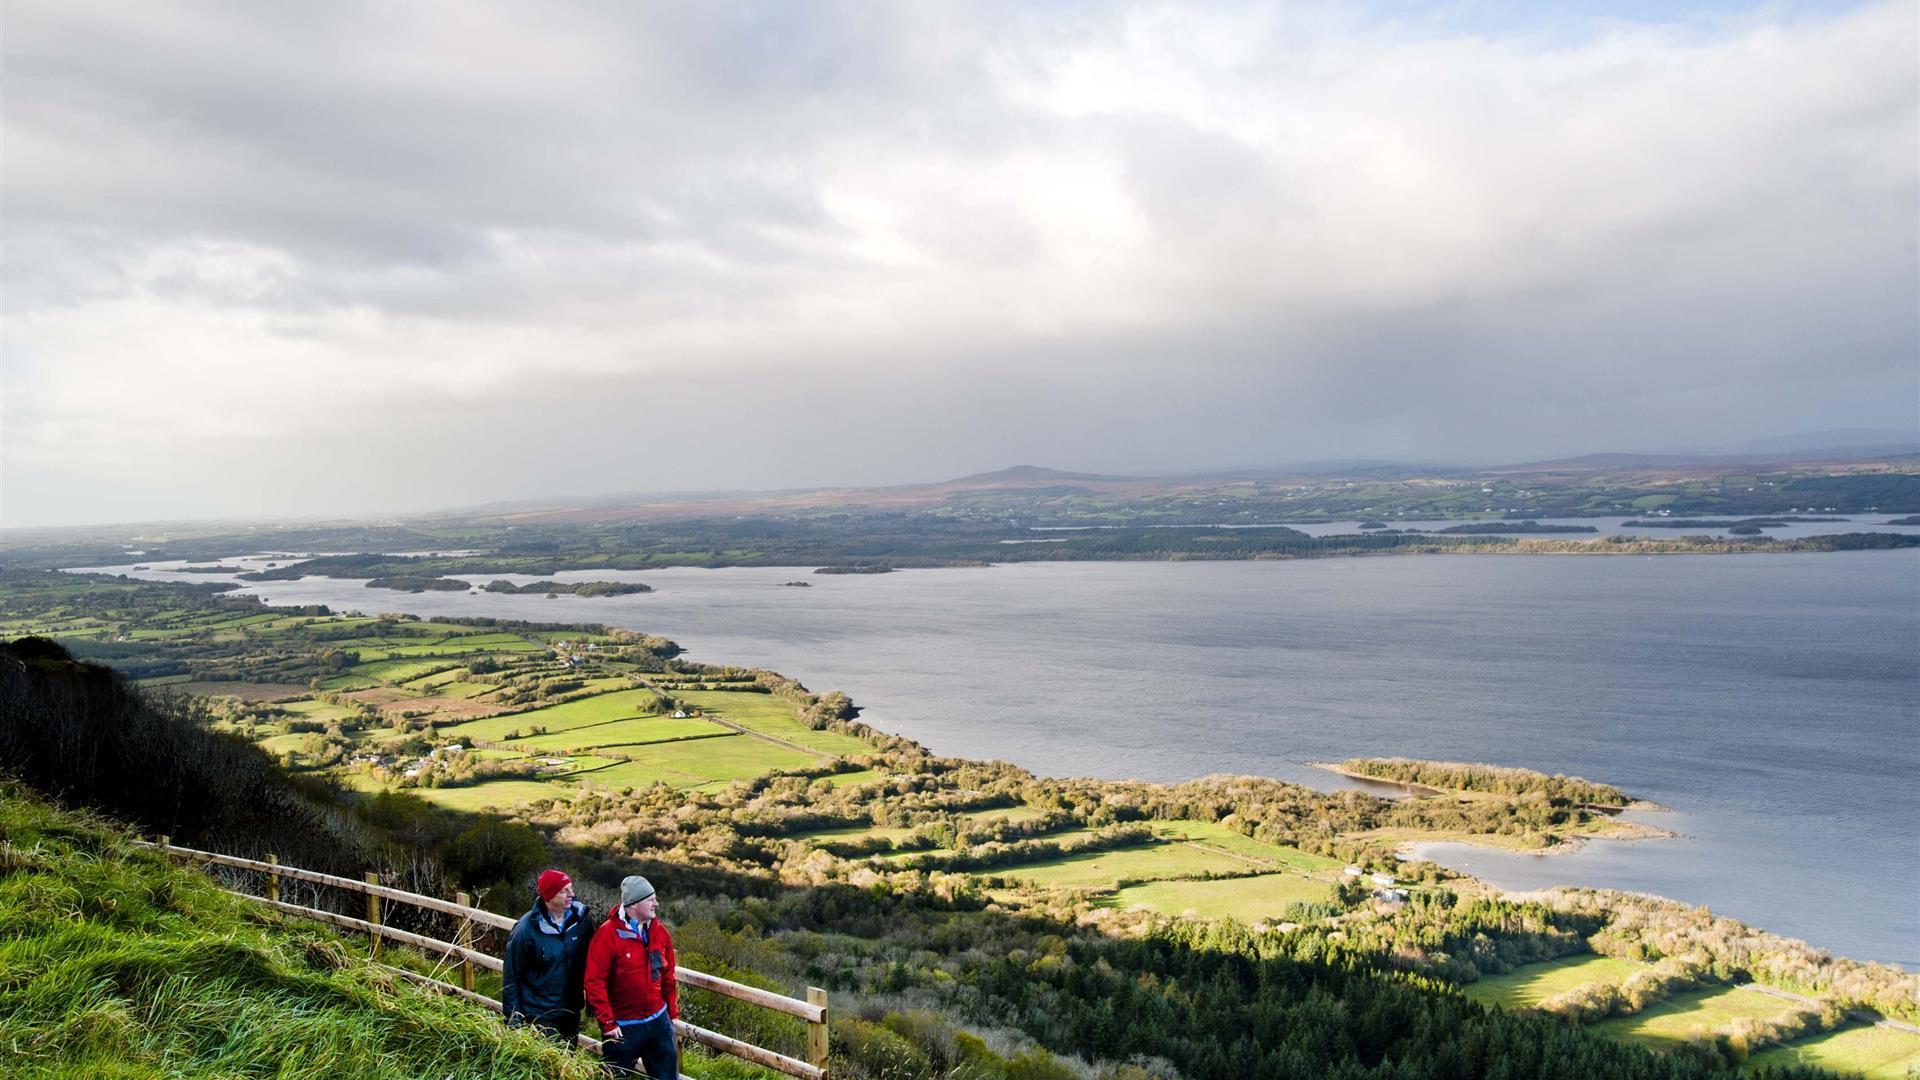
{"x":616,"y":1035}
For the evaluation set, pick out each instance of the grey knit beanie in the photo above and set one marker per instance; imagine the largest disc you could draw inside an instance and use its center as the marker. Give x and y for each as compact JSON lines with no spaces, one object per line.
{"x":634,"y":889}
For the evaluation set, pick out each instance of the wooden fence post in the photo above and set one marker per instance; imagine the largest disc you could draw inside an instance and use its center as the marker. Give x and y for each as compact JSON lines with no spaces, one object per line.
{"x":273,"y":880}
{"x":373,"y":913}
{"x":163,"y":844}
{"x":465,"y":941}
{"x":817,"y":1033}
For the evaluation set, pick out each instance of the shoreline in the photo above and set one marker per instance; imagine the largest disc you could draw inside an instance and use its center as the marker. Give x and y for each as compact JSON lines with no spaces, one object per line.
{"x":1414,"y":790}
{"x":1570,"y":844}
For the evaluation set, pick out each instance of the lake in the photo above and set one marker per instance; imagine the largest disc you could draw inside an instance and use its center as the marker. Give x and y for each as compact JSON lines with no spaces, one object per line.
{"x":1772,"y":701}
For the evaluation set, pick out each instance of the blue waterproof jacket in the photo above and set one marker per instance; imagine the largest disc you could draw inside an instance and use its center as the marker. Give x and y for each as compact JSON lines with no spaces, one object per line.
{"x":545,"y":962}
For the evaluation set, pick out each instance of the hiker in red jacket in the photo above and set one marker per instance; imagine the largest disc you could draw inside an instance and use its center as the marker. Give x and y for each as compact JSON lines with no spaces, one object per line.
{"x":630,"y":985}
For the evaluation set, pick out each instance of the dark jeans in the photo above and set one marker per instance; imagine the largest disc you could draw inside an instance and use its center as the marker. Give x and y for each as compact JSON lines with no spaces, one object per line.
{"x":561,"y":1027}
{"x":650,"y":1044}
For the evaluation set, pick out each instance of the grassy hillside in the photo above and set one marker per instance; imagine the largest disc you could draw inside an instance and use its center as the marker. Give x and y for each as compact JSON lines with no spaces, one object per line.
{"x":114,"y":963}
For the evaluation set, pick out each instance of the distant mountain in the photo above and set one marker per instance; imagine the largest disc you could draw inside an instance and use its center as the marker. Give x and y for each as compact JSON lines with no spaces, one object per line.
{"x":1031,"y":474}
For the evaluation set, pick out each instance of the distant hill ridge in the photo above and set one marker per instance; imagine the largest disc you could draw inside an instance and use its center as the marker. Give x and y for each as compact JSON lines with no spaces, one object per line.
{"x":1034,"y":480}
{"x":1033,"y":474}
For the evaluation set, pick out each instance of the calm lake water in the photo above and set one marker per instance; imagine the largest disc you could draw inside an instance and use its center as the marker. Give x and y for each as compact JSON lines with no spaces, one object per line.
{"x":1771,"y":700}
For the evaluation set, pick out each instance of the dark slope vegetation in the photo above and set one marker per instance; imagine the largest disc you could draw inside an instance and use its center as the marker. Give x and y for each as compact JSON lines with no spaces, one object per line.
{"x":81,"y":733}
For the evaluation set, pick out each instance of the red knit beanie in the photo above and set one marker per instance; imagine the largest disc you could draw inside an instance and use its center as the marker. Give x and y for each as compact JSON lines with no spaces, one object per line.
{"x":550,"y":884}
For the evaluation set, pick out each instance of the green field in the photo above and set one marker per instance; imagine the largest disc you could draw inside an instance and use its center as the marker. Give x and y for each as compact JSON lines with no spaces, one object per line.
{"x":1877,"y":1053}
{"x":390,"y":649}
{"x":1245,"y":899}
{"x":421,"y":627}
{"x":280,"y":744}
{"x":455,"y":689}
{"x":1214,"y":834}
{"x":1006,"y":813}
{"x":1693,"y":1013}
{"x":435,"y":679}
{"x":622,"y":705}
{"x":503,"y":794}
{"x":502,"y":638}
{"x":397,"y":671}
{"x":774,"y":716}
{"x":1531,"y":984}
{"x":701,"y":761}
{"x":621,"y":733}
{"x":315,"y":710}
{"x":1104,"y":868}
{"x":606,"y":684}
{"x":572,"y":637}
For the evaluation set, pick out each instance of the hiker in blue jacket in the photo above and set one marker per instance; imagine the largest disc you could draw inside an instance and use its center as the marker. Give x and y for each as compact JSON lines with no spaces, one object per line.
{"x":545,"y":960}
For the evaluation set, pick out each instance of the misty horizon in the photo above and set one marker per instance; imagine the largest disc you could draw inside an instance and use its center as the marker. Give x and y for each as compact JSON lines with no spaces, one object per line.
{"x":1850,"y":444}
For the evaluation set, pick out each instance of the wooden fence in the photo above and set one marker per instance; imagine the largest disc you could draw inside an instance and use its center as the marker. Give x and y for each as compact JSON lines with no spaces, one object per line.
{"x":813,"y":1010}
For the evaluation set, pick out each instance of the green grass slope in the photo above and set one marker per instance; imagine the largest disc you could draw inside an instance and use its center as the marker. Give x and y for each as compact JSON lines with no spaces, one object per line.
{"x":114,"y":963}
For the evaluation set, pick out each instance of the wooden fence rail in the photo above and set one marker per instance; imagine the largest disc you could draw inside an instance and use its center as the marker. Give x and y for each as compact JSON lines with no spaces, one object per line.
{"x":813,"y":1010}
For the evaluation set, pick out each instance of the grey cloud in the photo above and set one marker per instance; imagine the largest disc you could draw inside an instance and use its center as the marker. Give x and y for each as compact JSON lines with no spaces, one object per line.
{"x":1099,"y":236}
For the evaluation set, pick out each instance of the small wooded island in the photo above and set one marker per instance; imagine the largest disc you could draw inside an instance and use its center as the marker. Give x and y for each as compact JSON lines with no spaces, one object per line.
{"x":428,"y":583}
{"x":1435,"y":777}
{"x":571,"y":588}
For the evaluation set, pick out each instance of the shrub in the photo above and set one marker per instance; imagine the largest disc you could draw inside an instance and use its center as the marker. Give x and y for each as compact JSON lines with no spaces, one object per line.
{"x":873,"y":1052}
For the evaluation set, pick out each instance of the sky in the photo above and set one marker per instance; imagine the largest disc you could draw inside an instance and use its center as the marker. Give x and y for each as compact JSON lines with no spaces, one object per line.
{"x":306,"y":260}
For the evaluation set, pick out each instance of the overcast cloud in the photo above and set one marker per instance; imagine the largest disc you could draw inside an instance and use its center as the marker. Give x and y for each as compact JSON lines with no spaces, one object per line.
{"x":306,"y":259}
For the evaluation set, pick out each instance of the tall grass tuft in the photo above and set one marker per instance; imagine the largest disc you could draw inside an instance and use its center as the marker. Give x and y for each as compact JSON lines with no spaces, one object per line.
{"x":115,"y":963}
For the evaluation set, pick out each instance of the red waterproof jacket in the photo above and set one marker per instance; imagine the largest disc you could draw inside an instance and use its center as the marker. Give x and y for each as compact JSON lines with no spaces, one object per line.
{"x":629,"y":978}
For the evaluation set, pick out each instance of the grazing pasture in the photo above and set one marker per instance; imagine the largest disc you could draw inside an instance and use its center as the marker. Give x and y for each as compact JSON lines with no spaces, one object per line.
{"x":1529,"y":985}
{"x":495,"y":794}
{"x":1877,"y":1053}
{"x":245,"y":691}
{"x":1247,"y":899}
{"x":773,"y":716}
{"x":309,"y":709}
{"x":1214,"y":834}
{"x":702,"y":761}
{"x":651,"y":729}
{"x":1694,"y":1013}
{"x":397,"y":671}
{"x":582,"y":712}
{"x":1104,"y":868}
